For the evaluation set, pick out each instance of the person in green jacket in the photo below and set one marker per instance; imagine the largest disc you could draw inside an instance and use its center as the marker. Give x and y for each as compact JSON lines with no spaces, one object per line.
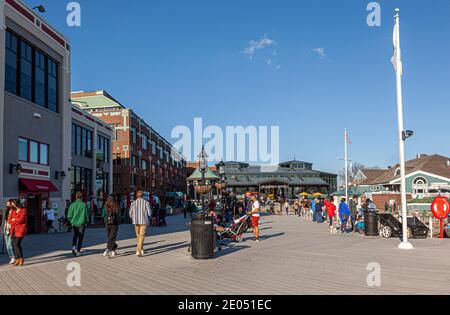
{"x":78,"y":216}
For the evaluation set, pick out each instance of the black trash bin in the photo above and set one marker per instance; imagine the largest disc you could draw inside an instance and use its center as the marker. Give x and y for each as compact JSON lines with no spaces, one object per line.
{"x":202,"y":237}
{"x":371,"y":223}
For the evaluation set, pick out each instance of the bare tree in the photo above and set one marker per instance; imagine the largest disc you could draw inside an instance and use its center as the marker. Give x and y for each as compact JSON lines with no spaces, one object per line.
{"x":353,"y":170}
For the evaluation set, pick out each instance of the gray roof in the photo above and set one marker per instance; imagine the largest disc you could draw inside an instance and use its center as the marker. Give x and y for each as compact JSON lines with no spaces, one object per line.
{"x":303,"y":182}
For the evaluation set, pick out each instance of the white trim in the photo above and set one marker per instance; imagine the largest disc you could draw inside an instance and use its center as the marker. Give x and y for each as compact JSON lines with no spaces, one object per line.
{"x":420,"y":172}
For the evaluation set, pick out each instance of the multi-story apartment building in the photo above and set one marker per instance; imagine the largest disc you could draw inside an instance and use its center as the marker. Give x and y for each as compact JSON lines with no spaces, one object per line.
{"x":35,"y":115}
{"x":143,"y":159}
{"x":91,"y":168}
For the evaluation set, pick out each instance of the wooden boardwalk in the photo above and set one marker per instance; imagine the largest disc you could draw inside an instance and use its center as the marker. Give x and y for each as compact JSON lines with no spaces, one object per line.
{"x":294,"y":257}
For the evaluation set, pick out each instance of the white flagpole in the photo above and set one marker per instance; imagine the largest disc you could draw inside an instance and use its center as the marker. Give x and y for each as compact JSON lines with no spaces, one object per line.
{"x":346,"y":165}
{"x":398,"y":71}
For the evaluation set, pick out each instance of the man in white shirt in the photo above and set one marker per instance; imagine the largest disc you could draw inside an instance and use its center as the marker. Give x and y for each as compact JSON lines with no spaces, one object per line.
{"x":50,"y":214}
{"x":255,"y":213}
{"x":139,"y":214}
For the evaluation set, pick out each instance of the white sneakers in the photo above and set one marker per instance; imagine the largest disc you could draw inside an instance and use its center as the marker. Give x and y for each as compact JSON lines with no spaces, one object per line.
{"x":105,"y":254}
{"x":140,"y":253}
{"x":13,"y":261}
{"x":113,"y":254}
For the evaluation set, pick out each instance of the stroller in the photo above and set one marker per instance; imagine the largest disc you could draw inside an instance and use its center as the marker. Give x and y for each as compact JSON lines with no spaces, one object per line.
{"x":235,"y":231}
{"x":154,"y":218}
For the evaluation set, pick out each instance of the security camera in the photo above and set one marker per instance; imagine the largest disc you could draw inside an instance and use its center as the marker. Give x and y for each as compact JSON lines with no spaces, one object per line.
{"x":407,"y":134}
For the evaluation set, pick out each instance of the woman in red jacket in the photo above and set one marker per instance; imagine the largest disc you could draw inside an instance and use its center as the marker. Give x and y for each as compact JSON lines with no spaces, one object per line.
{"x":18,"y":231}
{"x":331,"y":209}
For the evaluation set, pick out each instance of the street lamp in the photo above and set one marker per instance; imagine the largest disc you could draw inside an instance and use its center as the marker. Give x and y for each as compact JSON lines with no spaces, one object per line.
{"x":40,"y":8}
{"x":221,"y":186}
{"x":203,"y":187}
{"x":203,"y":162}
{"x":58,"y":174}
{"x":15,"y":167}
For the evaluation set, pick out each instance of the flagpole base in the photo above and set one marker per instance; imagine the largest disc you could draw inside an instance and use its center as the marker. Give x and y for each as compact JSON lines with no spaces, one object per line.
{"x":405,"y":246}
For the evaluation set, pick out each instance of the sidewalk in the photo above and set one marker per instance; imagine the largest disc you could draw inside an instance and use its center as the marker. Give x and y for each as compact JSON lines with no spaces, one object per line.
{"x":294,"y":257}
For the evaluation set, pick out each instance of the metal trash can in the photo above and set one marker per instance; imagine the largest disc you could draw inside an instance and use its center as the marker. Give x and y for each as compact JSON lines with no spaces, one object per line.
{"x":202,"y":237}
{"x":371,"y":223}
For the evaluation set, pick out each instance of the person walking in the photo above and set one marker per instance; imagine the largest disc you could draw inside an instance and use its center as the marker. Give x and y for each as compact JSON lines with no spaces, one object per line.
{"x":185,"y":208}
{"x":111,"y":213}
{"x":49,"y":214}
{"x":319,"y":209}
{"x":331,"y":210}
{"x":18,"y":222}
{"x":313,"y":209}
{"x":353,"y":212}
{"x":344,"y":214}
{"x":6,"y":232}
{"x":297,"y":208}
{"x":78,"y":217}
{"x":255,"y":213}
{"x":66,"y":214}
{"x":139,"y":214}
{"x":286,"y":207}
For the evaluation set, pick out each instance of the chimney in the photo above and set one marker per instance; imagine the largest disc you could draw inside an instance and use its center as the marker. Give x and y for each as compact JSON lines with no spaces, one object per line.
{"x":419,"y":156}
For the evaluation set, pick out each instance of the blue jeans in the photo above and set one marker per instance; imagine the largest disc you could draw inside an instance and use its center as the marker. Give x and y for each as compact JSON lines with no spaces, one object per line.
{"x":78,"y":236}
{"x":344,"y":226}
{"x":318,"y":216}
{"x":9,"y":246}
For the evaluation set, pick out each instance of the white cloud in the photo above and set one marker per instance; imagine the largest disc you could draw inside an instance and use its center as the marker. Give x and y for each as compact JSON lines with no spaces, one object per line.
{"x":321,"y":52}
{"x":254,"y":46}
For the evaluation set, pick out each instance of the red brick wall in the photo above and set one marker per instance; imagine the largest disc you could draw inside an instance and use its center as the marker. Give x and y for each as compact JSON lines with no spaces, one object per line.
{"x":381,"y":199}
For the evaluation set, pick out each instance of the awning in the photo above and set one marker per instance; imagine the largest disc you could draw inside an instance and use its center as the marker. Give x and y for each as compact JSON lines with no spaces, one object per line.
{"x":34,"y":185}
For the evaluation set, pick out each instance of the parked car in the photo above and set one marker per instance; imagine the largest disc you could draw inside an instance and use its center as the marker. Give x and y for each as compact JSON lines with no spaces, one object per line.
{"x":391,"y":227}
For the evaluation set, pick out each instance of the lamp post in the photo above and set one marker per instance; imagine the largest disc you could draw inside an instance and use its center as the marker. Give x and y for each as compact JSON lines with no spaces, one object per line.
{"x":40,"y":8}
{"x":222,"y":186}
{"x":203,"y":186}
{"x":402,"y":133}
{"x":15,"y":168}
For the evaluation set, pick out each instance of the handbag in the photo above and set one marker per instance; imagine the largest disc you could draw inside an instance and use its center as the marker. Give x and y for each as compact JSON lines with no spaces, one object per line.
{"x":111,"y":218}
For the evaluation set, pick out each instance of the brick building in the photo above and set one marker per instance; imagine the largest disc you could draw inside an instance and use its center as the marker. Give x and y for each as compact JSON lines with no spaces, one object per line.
{"x":142,"y":159}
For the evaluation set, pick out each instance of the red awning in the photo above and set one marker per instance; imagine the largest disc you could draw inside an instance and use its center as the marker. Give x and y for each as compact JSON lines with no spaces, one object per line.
{"x":35,"y":185}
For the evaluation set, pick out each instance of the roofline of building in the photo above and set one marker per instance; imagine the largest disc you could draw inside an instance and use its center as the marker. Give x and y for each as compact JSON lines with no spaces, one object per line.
{"x":79,"y":94}
{"x":75,"y":109}
{"x":106,"y":94}
{"x":39,"y":17}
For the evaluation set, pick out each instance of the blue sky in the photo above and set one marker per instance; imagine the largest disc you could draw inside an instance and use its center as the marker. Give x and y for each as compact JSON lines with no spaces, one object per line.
{"x":319,"y":69}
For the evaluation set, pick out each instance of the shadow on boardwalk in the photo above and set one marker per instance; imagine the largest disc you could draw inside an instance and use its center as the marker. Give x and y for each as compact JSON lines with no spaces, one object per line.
{"x":40,"y":247}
